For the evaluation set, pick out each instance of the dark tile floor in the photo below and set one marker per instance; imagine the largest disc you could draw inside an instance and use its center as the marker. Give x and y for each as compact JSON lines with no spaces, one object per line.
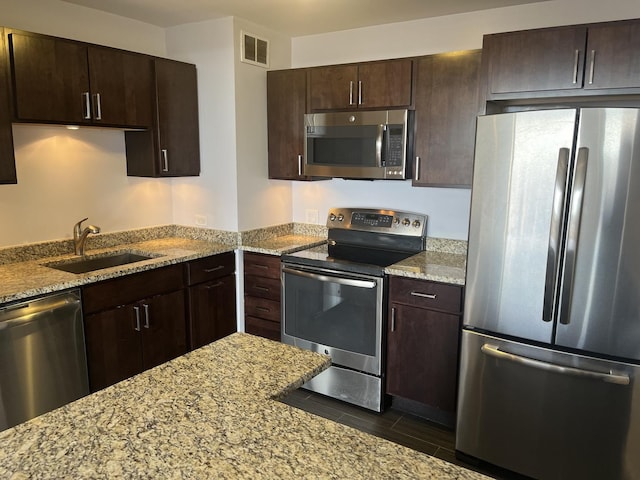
{"x":394,"y":425}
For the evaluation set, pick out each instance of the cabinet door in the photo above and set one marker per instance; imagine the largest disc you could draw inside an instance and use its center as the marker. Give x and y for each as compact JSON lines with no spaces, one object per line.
{"x":113,"y":346}
{"x":536,"y":60}
{"x":164,"y":329}
{"x":121,"y":87}
{"x":422,"y":356}
{"x":51,"y":79}
{"x":172,"y":147}
{"x":333,"y":87}
{"x":178,"y":133}
{"x":213,"y":311}
{"x":447,"y":102}
{"x":384,"y":84}
{"x":7,"y":159}
{"x":612,"y":55}
{"x":286,"y":106}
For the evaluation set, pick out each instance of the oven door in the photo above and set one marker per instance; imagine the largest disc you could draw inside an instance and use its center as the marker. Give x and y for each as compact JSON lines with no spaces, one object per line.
{"x":335,"y":313}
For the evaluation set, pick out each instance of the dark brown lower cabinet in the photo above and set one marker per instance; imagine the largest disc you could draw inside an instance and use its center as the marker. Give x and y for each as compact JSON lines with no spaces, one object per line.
{"x":212,"y":299}
{"x":129,"y":339}
{"x":262,"y":295}
{"x":133,"y":323}
{"x":422,"y":344}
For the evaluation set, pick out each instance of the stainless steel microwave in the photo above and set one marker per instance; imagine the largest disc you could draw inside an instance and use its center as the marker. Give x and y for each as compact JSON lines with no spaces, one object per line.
{"x":368,"y":145}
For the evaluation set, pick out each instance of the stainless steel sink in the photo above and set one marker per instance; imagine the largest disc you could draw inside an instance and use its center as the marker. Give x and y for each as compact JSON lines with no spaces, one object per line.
{"x":98,"y":262}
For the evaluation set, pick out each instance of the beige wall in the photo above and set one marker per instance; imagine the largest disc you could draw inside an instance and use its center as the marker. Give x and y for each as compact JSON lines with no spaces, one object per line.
{"x":448,"y":209}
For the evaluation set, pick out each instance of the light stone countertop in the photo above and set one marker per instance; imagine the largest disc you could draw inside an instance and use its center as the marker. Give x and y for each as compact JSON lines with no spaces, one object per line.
{"x":432,"y":266}
{"x":211,"y":413}
{"x":32,"y":278}
{"x":282,"y":244}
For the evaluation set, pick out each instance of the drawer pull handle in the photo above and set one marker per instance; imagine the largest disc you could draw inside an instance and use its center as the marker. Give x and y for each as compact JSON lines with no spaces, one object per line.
{"x":259,"y":265}
{"x":214,"y":269}
{"x":215,"y":285}
{"x":263,"y":309}
{"x":261,"y":288}
{"x":430,"y":296}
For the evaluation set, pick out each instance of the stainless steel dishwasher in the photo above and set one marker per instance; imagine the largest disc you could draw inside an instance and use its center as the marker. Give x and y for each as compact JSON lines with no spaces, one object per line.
{"x":43,"y":362}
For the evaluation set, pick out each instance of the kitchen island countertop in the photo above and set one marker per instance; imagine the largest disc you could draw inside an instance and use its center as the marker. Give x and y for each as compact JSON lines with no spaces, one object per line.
{"x":211,"y":413}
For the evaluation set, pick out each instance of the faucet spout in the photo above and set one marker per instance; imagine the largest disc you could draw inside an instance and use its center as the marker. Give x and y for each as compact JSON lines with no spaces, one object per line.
{"x":80,"y":236}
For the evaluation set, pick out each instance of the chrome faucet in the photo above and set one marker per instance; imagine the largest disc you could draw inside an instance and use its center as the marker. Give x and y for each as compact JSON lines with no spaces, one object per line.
{"x":80,"y":236}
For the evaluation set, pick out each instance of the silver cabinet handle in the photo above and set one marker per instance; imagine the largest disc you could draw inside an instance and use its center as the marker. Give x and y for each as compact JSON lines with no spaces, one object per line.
{"x":98,"y":107}
{"x":328,"y":278}
{"x":215,"y":285}
{"x":299,"y":165}
{"x":555,"y":231}
{"x":573,"y":232}
{"x":417,"y":177}
{"x":214,"y":269}
{"x":592,"y":66}
{"x":146,"y":316}
{"x":393,"y":319}
{"x":430,"y":296}
{"x":351,"y":92}
{"x":87,"y":105}
{"x":360,"y":92}
{"x":494,"y":351}
{"x":575,"y":66}
{"x":165,"y":160}
{"x":137,"y":312}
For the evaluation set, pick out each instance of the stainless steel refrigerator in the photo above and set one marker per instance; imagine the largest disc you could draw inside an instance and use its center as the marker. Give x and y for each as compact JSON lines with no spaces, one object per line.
{"x":550,"y":351}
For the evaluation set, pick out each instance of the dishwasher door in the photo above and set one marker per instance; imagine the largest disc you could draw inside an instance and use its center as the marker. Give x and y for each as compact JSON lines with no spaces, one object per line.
{"x":43,"y":362}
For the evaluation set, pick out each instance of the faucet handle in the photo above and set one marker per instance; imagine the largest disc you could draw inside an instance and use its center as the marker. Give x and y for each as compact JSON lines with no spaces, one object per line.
{"x":76,"y":227}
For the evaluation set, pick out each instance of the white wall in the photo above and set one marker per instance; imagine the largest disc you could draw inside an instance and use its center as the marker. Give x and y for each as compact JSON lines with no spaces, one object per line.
{"x":448,"y":208}
{"x":65,"y":175}
{"x":214,"y":193}
{"x":261,"y":202}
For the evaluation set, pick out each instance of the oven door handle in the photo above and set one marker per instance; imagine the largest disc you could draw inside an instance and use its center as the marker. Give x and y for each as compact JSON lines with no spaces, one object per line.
{"x":329,"y":278}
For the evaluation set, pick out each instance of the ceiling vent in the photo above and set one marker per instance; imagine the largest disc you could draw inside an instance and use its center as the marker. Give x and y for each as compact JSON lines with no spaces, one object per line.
{"x":255,"y":50}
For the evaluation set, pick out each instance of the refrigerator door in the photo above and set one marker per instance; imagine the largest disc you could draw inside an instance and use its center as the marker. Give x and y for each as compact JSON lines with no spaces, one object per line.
{"x":517,"y":206}
{"x":601,"y":275}
{"x":546,"y":414}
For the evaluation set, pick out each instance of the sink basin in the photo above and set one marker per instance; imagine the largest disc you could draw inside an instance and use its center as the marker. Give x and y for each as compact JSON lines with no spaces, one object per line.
{"x":89,"y":264}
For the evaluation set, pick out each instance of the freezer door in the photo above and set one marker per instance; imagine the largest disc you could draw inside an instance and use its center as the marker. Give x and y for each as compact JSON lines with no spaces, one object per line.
{"x":600,"y":306}
{"x":519,"y":185}
{"x":546,"y":414}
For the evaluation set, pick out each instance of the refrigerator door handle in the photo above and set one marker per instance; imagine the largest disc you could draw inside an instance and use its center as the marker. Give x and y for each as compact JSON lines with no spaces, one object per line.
{"x":573,"y":232}
{"x":611,"y":377}
{"x":555,"y":230}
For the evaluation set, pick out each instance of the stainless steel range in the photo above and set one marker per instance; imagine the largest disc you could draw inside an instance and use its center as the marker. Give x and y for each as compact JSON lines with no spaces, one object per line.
{"x":334,"y":298}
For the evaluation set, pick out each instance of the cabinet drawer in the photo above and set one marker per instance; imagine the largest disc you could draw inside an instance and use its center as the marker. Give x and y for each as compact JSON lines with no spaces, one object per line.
{"x":131,"y":288}
{"x":262,"y":308}
{"x":262,"y":287}
{"x":209,"y":268}
{"x":262,"y":328}
{"x":424,"y":294}
{"x":262,"y":265}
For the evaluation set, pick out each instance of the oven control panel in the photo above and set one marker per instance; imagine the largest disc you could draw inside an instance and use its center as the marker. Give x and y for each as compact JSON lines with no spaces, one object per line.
{"x":378,"y":220}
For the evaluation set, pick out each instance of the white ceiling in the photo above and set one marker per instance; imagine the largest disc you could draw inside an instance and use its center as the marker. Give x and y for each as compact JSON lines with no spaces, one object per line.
{"x":292,"y":17}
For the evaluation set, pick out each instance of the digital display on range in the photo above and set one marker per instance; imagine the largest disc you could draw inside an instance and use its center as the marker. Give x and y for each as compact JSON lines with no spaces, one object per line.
{"x":372,"y":219}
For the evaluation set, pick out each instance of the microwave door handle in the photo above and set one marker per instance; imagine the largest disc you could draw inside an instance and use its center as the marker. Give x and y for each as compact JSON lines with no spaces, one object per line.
{"x":380,"y":145}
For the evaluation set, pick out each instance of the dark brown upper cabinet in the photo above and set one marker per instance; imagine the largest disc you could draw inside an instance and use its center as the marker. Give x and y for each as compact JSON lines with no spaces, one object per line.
{"x":63,"y":81}
{"x":447,"y":102}
{"x":383,"y":84}
{"x":171,"y":148}
{"x":580,"y":60}
{"x":7,"y":161}
{"x":612,"y":56}
{"x":286,"y":106}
